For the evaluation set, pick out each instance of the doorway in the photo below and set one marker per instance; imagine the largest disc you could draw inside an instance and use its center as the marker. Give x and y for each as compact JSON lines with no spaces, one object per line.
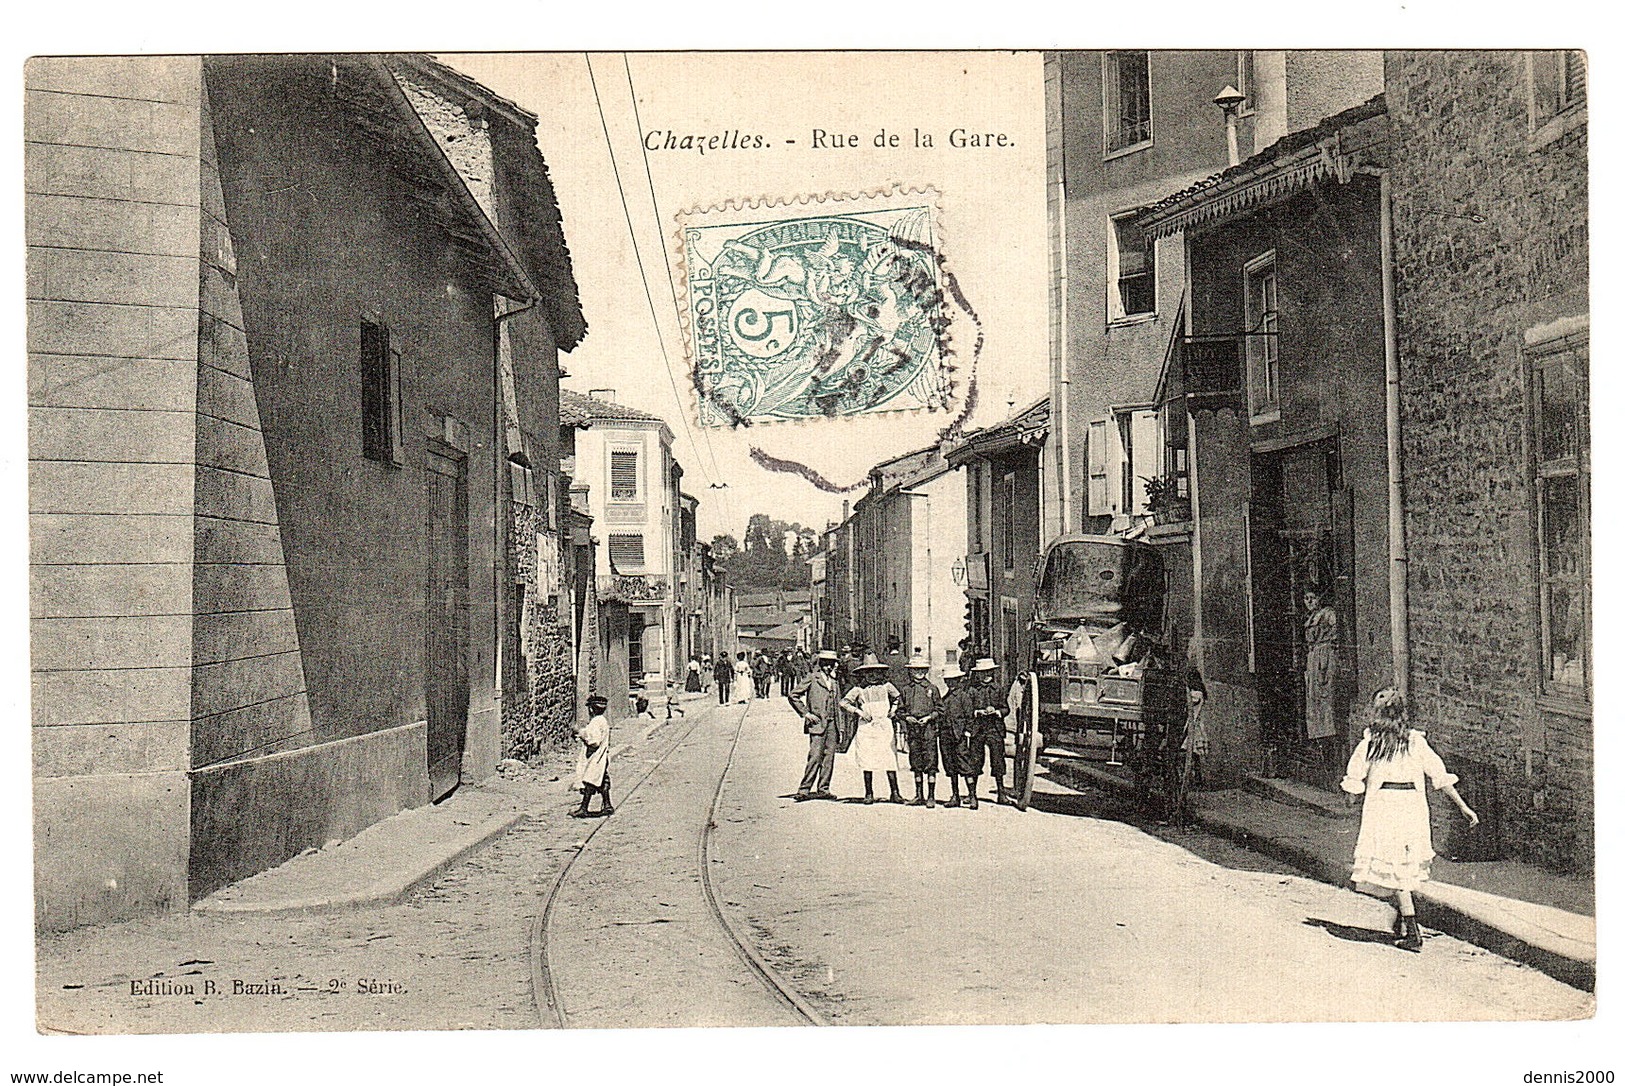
{"x":1301,"y":538}
{"x":446,"y":619}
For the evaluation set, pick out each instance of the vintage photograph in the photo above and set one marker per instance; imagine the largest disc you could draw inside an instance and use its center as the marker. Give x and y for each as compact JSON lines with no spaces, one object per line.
{"x":535,"y":540}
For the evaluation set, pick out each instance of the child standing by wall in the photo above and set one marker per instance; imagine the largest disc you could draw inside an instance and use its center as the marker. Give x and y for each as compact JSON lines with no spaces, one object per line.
{"x":1395,"y":847}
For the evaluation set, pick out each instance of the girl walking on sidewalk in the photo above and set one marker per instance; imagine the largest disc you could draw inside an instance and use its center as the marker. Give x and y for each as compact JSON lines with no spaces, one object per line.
{"x":1395,"y":847}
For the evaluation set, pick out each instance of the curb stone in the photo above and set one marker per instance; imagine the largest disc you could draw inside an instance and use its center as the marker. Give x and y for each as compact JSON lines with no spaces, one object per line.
{"x":1431,"y":909}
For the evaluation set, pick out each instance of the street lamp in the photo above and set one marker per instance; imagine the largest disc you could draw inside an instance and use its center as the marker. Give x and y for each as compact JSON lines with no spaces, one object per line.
{"x":1230,"y":100}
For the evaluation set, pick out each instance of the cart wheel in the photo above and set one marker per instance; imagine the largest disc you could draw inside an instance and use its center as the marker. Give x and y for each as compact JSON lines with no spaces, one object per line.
{"x":1028,"y":741}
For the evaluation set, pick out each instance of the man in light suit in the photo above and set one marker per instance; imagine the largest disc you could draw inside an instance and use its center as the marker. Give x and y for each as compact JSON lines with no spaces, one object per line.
{"x":816,"y":700}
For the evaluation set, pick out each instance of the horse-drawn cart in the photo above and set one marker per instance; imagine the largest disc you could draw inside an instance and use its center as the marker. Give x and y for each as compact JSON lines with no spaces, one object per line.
{"x":1102,"y":687}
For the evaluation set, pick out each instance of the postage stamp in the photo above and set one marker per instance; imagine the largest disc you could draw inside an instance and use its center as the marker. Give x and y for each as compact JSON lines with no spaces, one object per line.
{"x":815,"y":308}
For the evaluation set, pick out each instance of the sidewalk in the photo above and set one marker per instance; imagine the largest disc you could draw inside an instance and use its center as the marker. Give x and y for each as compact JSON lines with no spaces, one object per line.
{"x":387,"y":861}
{"x":1513,"y":909}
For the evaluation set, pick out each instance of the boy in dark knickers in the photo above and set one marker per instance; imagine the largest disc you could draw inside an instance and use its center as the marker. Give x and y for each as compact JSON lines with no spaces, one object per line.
{"x":920,"y":707}
{"x":952,"y":726}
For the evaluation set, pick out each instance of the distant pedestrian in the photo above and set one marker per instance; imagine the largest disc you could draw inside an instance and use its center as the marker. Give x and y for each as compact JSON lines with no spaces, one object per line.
{"x":743,"y":679}
{"x":921,"y":708}
{"x":643,"y":710}
{"x":1394,"y":851}
{"x":988,"y":707}
{"x":707,"y":671}
{"x":592,"y":768}
{"x":724,"y":674}
{"x":952,"y":728}
{"x":817,"y":701}
{"x":787,"y":673}
{"x":692,"y":684}
{"x":762,"y":669}
{"x":874,"y":747}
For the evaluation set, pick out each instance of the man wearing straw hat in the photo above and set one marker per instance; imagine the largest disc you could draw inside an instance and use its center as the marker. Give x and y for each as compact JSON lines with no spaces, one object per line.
{"x":988,"y":706}
{"x":816,"y":698}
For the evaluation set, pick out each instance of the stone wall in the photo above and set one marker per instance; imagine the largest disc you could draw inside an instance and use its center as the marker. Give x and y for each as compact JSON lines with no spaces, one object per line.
{"x":1491,"y":240}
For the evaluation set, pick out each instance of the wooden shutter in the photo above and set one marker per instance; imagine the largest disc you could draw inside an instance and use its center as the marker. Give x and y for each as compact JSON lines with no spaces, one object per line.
{"x":623,"y":476}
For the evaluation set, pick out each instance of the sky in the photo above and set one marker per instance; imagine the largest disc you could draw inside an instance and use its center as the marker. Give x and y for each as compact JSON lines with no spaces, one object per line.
{"x":993,"y":227}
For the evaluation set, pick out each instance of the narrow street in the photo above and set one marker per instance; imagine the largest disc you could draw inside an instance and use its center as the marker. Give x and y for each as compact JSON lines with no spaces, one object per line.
{"x":865,"y":914}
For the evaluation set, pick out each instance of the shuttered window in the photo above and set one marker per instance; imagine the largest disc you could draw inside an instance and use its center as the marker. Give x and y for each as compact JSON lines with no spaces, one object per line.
{"x":626,"y":552}
{"x":380,"y":395}
{"x":623,"y":475}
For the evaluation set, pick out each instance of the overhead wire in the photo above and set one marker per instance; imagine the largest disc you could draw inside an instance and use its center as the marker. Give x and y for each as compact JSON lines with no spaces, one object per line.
{"x":643,"y":275}
{"x":665,"y":253}
{"x":637,"y":254}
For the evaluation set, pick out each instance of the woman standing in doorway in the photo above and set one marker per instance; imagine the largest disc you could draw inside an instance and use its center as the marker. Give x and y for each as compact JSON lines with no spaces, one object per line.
{"x":1390,"y":767}
{"x":1320,"y":676}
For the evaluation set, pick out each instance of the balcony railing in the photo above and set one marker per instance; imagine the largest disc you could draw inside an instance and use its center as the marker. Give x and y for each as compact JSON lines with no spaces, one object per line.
{"x":634,"y":588}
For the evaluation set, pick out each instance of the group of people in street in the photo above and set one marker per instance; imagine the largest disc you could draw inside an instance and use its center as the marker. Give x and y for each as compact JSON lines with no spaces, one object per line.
{"x":857,"y":709}
{"x":748,"y":674}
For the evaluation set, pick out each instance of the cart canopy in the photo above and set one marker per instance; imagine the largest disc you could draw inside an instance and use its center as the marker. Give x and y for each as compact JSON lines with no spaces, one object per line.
{"x":1100,"y":581}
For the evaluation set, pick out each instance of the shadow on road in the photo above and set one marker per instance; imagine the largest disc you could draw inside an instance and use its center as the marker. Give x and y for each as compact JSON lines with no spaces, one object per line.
{"x":1350,"y":934}
{"x":1105,"y":804}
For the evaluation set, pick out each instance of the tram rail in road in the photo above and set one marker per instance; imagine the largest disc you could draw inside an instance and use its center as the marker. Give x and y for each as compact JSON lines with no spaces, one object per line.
{"x":550,"y":1000}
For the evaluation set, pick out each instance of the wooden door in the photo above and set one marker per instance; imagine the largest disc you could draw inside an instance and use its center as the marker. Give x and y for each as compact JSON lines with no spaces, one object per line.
{"x":446,"y":620}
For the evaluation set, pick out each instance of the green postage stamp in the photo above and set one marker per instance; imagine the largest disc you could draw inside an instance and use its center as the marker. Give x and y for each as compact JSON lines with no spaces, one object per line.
{"x":815,"y":308}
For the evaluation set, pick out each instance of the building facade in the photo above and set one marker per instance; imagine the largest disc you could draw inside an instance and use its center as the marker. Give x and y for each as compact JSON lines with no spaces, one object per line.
{"x":492,"y":143}
{"x":1491,"y":246}
{"x":1004,"y":507}
{"x":623,"y":458}
{"x":267,"y":456}
{"x":1283,"y":378}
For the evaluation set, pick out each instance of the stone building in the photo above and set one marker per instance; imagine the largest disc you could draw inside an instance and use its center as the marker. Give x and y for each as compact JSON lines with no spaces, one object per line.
{"x":492,"y":143}
{"x":909,"y":528}
{"x":264,"y":470}
{"x":1491,"y":247}
{"x":1281,"y":382}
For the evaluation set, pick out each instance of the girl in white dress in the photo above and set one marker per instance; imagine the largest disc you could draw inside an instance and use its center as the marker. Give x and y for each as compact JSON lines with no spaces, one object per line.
{"x":874,"y":747}
{"x":1391,"y":766}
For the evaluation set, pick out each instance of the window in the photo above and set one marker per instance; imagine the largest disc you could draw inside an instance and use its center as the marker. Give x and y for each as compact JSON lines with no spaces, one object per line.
{"x":1245,"y":79}
{"x":380,"y":395}
{"x":1557,"y":81}
{"x":623,"y":475}
{"x":973,"y":483}
{"x":634,"y":651}
{"x":1128,"y":99}
{"x":1562,"y":497}
{"x":1263,"y":360}
{"x":626,"y":552}
{"x":1132,"y":258}
{"x":1009,"y":520}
